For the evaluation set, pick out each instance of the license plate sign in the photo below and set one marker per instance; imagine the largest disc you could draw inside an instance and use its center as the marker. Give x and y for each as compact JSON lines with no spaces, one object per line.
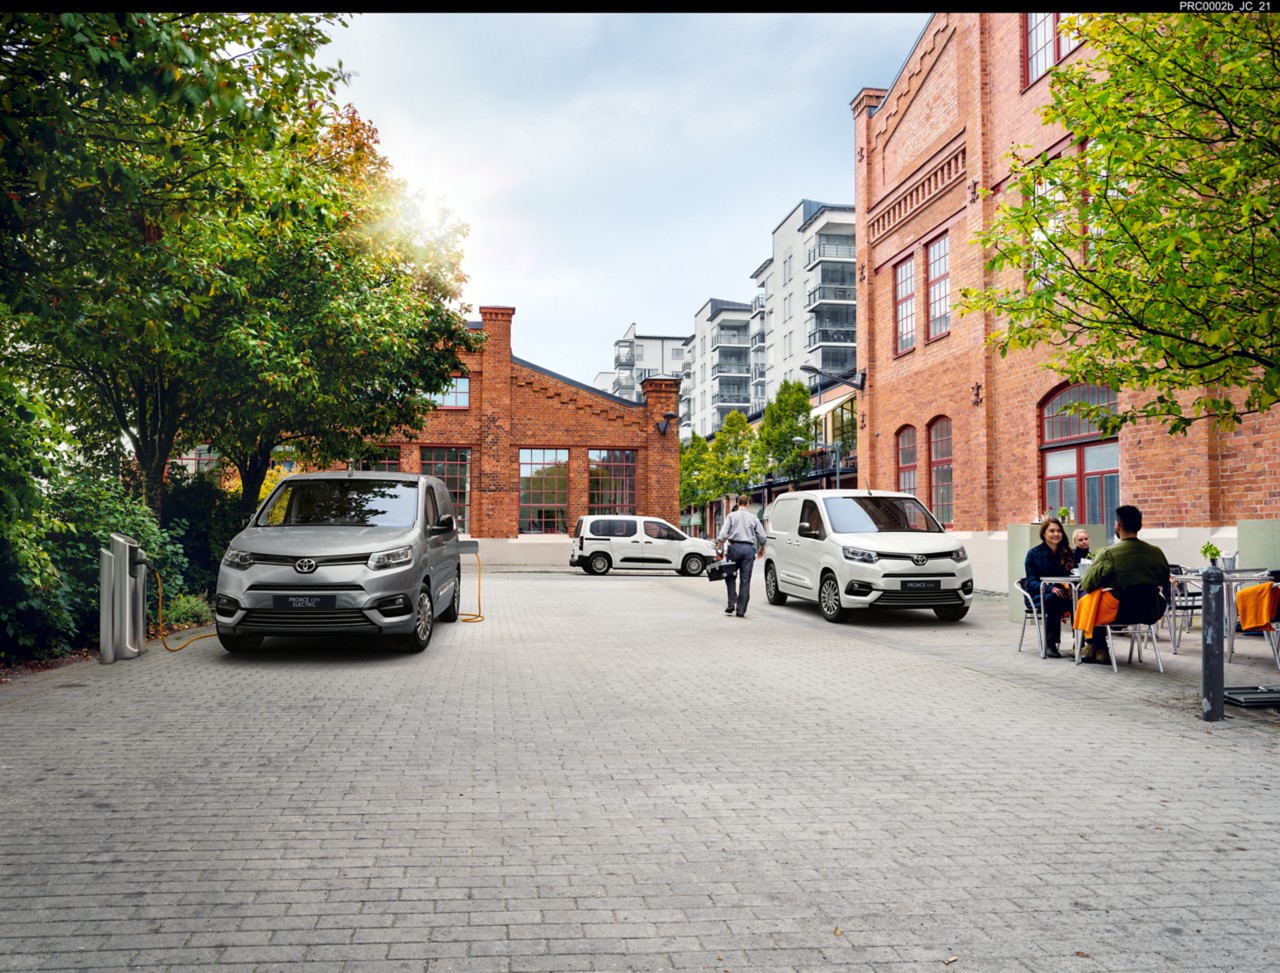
{"x":303,"y":603}
{"x":924,"y":584}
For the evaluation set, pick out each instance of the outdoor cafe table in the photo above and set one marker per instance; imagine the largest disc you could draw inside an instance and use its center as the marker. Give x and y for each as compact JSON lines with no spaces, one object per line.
{"x":1232,"y":581}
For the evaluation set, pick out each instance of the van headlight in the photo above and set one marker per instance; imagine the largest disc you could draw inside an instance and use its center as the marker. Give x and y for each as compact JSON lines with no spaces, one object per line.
{"x":857,"y":554}
{"x":391,"y":559}
{"x":236,"y":558}
{"x":959,"y":554}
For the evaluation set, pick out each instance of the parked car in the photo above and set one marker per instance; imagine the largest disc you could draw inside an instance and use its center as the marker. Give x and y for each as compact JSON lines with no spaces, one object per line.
{"x":636,"y":543}
{"x":346,"y":553}
{"x":864,"y":549}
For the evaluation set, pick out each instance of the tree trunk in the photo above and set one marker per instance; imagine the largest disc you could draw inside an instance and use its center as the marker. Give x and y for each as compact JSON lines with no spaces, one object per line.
{"x":253,"y":469}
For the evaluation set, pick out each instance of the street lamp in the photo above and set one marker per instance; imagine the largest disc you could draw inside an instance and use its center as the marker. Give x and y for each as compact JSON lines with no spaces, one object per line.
{"x":855,"y":380}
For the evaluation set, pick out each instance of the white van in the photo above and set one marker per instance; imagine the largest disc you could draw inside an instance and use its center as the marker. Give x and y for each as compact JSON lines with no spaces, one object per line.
{"x":636,"y":543}
{"x":864,"y":549}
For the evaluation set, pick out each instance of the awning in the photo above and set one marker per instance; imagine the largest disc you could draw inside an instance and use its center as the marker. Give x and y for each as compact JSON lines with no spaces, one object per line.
{"x":691,"y":520}
{"x":818,"y":411}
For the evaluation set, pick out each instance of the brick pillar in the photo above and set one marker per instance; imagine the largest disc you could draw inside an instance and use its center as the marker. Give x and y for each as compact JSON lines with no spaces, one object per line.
{"x":863,"y":106}
{"x":658,"y":472}
{"x":495,"y":470}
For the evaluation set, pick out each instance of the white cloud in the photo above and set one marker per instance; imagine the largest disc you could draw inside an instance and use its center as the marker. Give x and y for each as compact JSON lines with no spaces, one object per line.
{"x":617,"y":168}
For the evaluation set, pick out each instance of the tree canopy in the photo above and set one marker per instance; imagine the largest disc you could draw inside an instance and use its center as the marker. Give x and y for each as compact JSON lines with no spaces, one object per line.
{"x":786,"y":418}
{"x":1150,"y":247}
{"x":728,"y":470}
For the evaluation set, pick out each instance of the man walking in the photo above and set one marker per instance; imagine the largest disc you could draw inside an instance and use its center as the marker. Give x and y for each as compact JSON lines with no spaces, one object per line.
{"x":741,"y":540}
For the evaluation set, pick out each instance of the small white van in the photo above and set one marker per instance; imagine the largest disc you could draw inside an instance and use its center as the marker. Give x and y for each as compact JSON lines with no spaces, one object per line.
{"x":863,"y":549}
{"x":636,"y":543}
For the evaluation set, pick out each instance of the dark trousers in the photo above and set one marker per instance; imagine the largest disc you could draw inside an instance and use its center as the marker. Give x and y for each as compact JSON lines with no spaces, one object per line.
{"x":1054,"y":606}
{"x":744,"y":556}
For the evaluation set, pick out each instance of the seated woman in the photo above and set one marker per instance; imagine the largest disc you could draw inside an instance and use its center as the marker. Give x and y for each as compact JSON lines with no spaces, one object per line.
{"x":1051,"y":558}
{"x":1080,"y":544}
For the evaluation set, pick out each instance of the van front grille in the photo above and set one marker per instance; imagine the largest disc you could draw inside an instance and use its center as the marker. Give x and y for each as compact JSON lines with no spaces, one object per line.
{"x":918,"y":599}
{"x":269,"y":621}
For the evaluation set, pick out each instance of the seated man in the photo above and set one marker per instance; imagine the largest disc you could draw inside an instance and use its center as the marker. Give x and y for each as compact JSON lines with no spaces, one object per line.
{"x":1129,"y":566}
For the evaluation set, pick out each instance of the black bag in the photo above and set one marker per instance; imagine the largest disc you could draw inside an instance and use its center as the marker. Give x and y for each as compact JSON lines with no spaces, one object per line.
{"x":720,"y":570}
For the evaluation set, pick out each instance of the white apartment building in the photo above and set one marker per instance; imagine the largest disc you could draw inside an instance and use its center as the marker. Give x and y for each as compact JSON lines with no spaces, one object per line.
{"x":637,"y":357}
{"x":803,"y":313}
{"x":717,"y":368}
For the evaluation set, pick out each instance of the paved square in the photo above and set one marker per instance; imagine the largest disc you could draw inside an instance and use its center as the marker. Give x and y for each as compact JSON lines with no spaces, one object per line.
{"x":608,"y":773}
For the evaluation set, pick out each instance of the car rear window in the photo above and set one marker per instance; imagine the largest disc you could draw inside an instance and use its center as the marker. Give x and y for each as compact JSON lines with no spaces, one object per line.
{"x":342,"y":503}
{"x":871,"y":515}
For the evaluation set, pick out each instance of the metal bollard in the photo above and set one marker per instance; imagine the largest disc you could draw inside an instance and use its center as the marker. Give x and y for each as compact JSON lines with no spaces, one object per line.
{"x":1211,"y":658}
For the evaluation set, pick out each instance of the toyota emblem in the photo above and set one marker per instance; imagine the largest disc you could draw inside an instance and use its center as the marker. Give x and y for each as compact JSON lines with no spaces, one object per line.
{"x":304,"y":565}
{"x":919,"y":560}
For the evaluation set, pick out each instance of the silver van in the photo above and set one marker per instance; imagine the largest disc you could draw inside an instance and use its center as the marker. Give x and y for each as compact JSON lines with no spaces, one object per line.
{"x":864,"y":549}
{"x":347,"y":553}
{"x":636,"y":543}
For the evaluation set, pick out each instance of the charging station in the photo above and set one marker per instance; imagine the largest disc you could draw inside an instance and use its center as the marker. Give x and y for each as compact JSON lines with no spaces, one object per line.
{"x":122,"y":623}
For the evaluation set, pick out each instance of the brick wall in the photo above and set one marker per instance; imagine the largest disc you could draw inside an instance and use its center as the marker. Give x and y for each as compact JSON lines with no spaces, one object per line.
{"x":959,"y":100}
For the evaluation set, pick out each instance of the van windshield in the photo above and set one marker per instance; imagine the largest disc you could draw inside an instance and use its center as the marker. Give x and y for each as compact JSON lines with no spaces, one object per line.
{"x":342,"y":503}
{"x":870,"y":515}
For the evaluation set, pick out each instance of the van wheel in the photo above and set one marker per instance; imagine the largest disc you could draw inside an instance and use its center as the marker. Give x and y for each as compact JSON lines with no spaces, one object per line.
{"x":693,"y":565}
{"x":239,"y":643}
{"x":424,"y":623}
{"x":599,"y":564}
{"x":829,"y":598}
{"x":951,"y":613}
{"x":450,"y":614}
{"x":771,"y":591}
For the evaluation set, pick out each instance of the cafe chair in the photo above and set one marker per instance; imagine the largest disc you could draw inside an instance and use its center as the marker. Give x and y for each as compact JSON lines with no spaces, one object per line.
{"x":1030,"y":611}
{"x":1183,"y":604}
{"x":1141,"y":608}
{"x":1268,"y":609}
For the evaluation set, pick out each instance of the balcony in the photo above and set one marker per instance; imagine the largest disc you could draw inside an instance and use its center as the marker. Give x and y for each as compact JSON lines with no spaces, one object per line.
{"x":758,"y":404}
{"x":730,"y":368}
{"x":757,"y":372}
{"x":731,"y":397}
{"x":757,"y":338}
{"x":829,"y":251}
{"x":757,"y":305}
{"x":723,"y":337}
{"x":624,"y":380}
{"x":831,"y":336}
{"x":624,"y":354}
{"x":831,"y":294}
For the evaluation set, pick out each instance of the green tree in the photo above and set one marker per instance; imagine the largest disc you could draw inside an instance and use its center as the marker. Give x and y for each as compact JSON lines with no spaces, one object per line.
{"x":729,"y":463}
{"x":131,"y":144}
{"x":786,"y":418}
{"x":694,"y":460}
{"x":1150,"y":250}
{"x":342,"y":330}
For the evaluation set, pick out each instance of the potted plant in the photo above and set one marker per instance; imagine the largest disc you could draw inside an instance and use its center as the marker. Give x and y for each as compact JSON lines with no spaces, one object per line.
{"x":1064,"y":514}
{"x":1210,"y":552}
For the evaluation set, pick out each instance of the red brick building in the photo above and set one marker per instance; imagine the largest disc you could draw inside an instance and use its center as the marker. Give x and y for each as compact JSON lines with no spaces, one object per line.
{"x":978,"y":437}
{"x":526,"y":451}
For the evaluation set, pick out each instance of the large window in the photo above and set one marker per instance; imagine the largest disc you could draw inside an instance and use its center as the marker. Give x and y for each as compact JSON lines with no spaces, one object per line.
{"x":906,"y":442}
{"x":938,"y":262}
{"x":385,"y":460}
{"x":457,"y":395}
{"x":941,"y":491}
{"x":452,"y":464}
{"x":544,"y":491}
{"x":1081,"y":471}
{"x":1047,"y":42}
{"x":612,"y":487}
{"x":904,"y":295}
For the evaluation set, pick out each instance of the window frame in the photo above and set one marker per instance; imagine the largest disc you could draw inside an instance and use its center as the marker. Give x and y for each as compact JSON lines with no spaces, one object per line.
{"x":538,"y":459}
{"x":938,"y":505}
{"x":904,"y":306}
{"x":1074,"y":436}
{"x":907,"y":469}
{"x":932,"y":282}
{"x":1055,"y":45}
{"x":431,"y":466}
{"x":629,"y":465}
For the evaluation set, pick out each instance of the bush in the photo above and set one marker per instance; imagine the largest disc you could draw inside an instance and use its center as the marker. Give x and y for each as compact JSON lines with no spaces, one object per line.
{"x":94,"y":506}
{"x":184,"y":610}
{"x":202,"y":517}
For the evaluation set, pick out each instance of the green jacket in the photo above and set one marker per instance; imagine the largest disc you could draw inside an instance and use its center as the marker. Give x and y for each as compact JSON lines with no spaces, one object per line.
{"x":1127,"y":562}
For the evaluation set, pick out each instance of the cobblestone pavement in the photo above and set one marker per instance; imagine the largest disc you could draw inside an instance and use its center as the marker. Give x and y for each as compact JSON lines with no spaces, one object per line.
{"x":608,"y":773}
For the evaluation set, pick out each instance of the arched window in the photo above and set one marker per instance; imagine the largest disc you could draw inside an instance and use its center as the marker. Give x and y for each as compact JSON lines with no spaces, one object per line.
{"x":1081,"y":471}
{"x":906,"y":441}
{"x":941,"y":497}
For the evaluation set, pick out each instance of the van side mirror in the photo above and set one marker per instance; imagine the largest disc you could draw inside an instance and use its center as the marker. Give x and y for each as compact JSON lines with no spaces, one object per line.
{"x":443,"y":526}
{"x":804,"y":530}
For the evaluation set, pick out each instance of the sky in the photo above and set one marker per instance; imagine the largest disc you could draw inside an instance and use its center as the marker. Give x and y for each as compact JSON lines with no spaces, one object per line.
{"x":616,"y":168}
